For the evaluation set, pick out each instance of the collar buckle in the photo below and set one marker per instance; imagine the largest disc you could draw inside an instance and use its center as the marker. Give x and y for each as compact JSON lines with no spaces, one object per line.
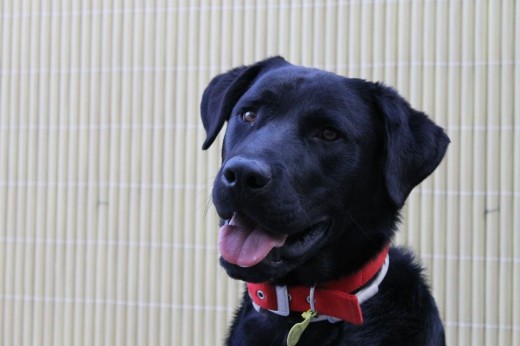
{"x":282,"y":299}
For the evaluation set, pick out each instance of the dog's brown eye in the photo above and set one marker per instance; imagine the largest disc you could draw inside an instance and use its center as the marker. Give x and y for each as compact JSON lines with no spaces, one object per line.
{"x":249,"y":117}
{"x":329,"y":134}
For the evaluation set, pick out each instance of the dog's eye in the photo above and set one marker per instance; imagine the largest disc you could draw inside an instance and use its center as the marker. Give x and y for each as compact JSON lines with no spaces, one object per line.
{"x":329,"y":134}
{"x":248,"y":117}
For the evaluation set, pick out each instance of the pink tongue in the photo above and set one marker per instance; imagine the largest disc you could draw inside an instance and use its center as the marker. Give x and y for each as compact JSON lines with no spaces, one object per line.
{"x":243,"y":243}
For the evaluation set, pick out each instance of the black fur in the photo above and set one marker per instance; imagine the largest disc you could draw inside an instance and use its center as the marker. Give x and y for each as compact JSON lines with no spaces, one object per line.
{"x":295,"y":176}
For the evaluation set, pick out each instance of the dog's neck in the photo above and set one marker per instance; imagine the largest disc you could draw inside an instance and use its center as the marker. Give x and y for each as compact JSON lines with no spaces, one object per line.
{"x":337,"y":300}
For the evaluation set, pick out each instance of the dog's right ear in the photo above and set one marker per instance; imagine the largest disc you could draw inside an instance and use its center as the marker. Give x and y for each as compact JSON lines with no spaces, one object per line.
{"x":225,"y":90}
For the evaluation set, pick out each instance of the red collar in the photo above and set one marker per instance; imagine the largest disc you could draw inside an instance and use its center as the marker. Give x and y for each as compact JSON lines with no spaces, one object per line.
{"x":333,"y":300}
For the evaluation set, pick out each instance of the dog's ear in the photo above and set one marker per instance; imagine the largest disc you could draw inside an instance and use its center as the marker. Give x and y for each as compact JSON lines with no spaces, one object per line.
{"x":414,"y":144}
{"x":225,"y":90}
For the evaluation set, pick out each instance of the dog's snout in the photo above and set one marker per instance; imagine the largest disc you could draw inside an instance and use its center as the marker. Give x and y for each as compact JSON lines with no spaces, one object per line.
{"x":246,"y":173}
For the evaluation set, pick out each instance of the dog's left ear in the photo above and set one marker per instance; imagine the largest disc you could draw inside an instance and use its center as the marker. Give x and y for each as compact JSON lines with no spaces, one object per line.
{"x":225,"y":90}
{"x":414,"y":144}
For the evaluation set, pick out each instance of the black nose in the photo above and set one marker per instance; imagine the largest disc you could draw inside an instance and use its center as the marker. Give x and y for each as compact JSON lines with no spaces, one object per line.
{"x":246,"y":173}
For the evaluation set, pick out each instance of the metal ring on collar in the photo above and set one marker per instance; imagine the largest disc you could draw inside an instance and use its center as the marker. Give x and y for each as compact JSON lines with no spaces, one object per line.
{"x":311,"y":298}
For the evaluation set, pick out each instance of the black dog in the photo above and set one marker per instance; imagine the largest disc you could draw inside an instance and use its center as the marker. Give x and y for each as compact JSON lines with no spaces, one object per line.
{"x":315,"y":170}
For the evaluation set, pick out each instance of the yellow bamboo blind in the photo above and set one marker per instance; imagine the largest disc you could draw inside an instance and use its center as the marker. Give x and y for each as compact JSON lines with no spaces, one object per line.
{"x":107,"y":233}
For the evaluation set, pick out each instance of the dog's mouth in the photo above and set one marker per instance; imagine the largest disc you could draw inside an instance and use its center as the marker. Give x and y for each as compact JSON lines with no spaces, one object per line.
{"x":245,"y":243}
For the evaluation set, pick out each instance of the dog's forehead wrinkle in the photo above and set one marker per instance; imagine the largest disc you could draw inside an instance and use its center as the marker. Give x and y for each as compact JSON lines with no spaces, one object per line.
{"x":308,"y":91}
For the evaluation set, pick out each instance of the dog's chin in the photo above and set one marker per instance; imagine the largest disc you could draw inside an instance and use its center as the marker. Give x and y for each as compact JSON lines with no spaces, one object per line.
{"x":299,"y":248}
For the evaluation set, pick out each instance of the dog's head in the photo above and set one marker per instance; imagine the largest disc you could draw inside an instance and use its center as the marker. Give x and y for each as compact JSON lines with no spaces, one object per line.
{"x":315,"y":169}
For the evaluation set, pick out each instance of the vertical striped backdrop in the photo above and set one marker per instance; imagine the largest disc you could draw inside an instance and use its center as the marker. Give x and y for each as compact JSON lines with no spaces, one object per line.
{"x":107,"y":233}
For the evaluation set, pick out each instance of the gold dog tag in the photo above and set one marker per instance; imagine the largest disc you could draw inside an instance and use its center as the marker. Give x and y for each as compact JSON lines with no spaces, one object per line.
{"x":297,"y":330}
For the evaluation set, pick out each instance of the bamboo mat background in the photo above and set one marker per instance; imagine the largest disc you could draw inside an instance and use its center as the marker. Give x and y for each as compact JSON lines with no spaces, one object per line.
{"x":107,"y":233}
